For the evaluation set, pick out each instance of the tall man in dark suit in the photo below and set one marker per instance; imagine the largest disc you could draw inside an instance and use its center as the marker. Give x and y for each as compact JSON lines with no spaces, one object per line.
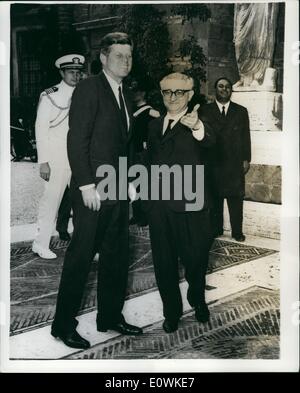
{"x":231,"y":156}
{"x":178,"y":139}
{"x":100,"y":121}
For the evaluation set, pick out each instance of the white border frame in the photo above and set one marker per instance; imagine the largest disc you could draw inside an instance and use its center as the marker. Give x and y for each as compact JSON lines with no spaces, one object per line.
{"x":289,"y":360}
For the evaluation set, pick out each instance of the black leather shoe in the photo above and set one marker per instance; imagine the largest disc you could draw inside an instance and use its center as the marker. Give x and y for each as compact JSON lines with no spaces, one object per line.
{"x":64,"y":236}
{"x":240,"y":238}
{"x":123,"y":328}
{"x":202,"y":313}
{"x":72,"y":339}
{"x":170,"y":326}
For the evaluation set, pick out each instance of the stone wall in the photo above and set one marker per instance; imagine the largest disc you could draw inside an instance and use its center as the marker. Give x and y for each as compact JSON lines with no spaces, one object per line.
{"x":265,"y":109}
{"x":260,"y":219}
{"x":263,"y":181}
{"x":263,"y":184}
{"x":221,"y":53}
{"x":81,"y":13}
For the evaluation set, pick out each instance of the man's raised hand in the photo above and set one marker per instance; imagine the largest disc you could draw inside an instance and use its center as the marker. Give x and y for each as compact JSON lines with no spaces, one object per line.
{"x":191,"y":119}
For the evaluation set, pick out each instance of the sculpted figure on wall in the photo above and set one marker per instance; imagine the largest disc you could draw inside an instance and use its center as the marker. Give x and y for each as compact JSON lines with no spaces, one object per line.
{"x":254,"y":38}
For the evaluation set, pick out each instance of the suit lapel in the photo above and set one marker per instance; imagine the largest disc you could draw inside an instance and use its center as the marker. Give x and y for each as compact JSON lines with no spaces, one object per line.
{"x":230,"y":113}
{"x":110,"y":93}
{"x":158,"y":128}
{"x":129,"y":110}
{"x":216,"y":111}
{"x":116,"y":105}
{"x":174,"y":131}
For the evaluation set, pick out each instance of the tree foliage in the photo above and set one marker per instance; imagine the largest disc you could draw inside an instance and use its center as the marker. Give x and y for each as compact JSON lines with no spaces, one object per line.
{"x":148,"y":26}
{"x":191,"y":49}
{"x":189,"y":11}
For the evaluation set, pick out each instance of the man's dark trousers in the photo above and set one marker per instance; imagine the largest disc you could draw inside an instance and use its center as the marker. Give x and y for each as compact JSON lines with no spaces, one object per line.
{"x":185,"y":236}
{"x":64,"y":212}
{"x":108,"y":230}
{"x":235,"y":208}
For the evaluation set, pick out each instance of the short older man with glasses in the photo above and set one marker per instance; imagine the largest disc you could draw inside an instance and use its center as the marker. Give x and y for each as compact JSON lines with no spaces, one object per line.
{"x":178,"y":139}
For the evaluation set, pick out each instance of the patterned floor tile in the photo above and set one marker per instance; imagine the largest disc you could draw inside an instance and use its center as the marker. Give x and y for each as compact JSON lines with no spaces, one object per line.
{"x":34,"y":281}
{"x":243,"y":326}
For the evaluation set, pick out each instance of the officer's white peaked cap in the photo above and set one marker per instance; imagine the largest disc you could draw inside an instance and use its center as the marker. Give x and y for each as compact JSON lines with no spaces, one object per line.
{"x":70,"y":61}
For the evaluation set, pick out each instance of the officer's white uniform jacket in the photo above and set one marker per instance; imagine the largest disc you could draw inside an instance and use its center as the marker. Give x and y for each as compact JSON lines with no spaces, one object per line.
{"x":52,"y":125}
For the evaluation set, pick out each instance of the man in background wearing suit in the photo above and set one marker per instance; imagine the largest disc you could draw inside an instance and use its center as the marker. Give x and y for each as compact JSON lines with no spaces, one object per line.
{"x":100,"y":121}
{"x":231,"y":157}
{"x":178,"y":139}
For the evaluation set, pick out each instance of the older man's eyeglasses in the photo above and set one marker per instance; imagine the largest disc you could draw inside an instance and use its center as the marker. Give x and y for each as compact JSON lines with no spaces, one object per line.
{"x":177,"y":93}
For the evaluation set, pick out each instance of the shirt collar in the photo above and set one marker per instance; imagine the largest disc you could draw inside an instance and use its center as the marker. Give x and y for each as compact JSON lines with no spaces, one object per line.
{"x":175,"y":118}
{"x":220,"y":106}
{"x":114,"y":85}
{"x":115,"y":88}
{"x":65,"y":86}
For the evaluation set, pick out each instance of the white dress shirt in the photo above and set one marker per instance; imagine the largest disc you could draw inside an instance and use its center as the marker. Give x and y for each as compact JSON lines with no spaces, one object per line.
{"x":197,"y":133}
{"x":115,"y":88}
{"x":220,"y":106}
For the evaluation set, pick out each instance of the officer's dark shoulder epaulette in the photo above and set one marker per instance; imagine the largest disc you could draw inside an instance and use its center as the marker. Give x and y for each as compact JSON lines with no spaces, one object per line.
{"x":50,"y":90}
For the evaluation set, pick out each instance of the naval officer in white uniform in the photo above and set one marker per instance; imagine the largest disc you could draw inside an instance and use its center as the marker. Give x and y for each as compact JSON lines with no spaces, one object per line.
{"x":51,"y":130}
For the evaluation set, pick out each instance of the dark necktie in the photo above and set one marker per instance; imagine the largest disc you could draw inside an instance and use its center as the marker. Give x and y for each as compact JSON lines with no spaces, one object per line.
{"x":168,"y":129}
{"x":122,"y":109}
{"x":223,"y":111}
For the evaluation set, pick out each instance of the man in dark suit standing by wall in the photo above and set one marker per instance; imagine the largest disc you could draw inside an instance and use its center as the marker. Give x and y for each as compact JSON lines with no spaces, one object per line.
{"x":231,"y":157}
{"x":175,"y":232}
{"x":100,"y":120}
